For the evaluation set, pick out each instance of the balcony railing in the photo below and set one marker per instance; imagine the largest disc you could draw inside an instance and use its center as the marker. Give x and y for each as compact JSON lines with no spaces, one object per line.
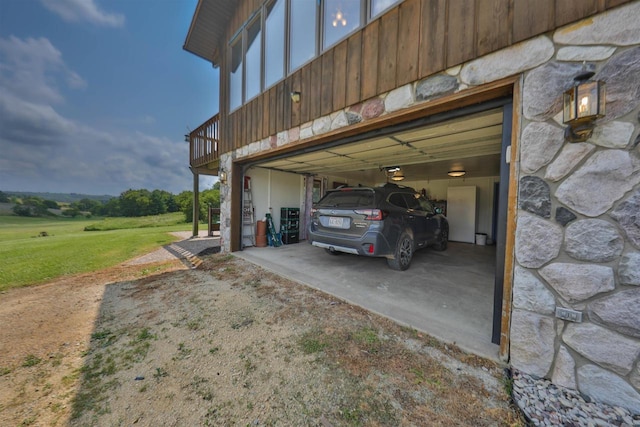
{"x":204,"y":143}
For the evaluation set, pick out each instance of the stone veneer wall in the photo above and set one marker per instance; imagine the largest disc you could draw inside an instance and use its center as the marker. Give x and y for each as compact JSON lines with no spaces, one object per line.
{"x":578,"y":222}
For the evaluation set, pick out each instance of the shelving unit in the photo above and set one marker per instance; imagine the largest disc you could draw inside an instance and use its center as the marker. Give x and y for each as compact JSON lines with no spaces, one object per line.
{"x":290,"y":225}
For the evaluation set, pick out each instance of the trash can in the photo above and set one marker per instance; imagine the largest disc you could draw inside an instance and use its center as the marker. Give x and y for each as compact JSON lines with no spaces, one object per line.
{"x":481,"y":239}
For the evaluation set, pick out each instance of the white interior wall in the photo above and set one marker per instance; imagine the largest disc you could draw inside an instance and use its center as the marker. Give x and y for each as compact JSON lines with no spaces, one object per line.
{"x":437,"y":190}
{"x":275,"y":190}
{"x":280,"y":189}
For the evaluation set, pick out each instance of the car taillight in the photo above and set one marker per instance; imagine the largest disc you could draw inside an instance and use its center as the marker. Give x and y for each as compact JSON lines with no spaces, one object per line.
{"x":371,"y":214}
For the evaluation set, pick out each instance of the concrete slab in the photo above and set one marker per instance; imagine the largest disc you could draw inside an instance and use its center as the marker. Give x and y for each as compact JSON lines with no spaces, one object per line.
{"x":448,"y":295}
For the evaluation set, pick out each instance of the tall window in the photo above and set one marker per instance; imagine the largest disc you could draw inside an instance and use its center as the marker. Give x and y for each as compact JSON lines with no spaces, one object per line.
{"x":341,"y":17}
{"x":379,"y":6}
{"x":274,"y":26}
{"x":302,"y":36}
{"x":235,"y":78}
{"x":283,"y":35}
{"x":253,"y":60}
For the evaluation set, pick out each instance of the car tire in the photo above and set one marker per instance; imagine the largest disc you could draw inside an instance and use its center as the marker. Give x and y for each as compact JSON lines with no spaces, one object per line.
{"x":443,"y":240}
{"x":403,"y":254}
{"x":334,"y":253}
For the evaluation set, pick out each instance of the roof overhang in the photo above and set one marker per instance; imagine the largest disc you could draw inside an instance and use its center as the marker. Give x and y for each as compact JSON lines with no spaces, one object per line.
{"x":208,"y":27}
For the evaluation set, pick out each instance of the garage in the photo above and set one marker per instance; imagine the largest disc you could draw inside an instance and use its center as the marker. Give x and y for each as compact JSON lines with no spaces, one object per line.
{"x":457,"y":160}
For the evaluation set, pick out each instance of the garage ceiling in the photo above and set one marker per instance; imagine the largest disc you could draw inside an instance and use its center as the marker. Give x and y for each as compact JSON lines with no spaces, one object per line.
{"x":471,"y":143}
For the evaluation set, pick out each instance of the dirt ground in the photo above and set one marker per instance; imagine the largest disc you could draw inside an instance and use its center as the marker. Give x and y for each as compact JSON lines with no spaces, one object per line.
{"x":154,"y":343}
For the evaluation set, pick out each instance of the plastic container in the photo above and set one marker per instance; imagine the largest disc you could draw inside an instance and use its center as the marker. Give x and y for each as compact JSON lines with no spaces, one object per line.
{"x":261,"y":228}
{"x":481,"y":239}
{"x":261,"y":241}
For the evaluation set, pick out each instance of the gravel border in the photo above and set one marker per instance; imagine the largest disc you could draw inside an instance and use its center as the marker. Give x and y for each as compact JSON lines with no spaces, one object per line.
{"x":545,"y":404}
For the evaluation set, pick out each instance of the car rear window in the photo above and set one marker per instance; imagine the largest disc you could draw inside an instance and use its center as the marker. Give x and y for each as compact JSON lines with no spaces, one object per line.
{"x":348,"y":199}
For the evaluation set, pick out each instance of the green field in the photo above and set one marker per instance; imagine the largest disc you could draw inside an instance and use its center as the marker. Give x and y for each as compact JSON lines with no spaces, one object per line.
{"x":27,"y":259}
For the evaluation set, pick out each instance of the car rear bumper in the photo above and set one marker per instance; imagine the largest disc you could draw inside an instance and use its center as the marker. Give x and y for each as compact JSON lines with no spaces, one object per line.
{"x":370,"y":244}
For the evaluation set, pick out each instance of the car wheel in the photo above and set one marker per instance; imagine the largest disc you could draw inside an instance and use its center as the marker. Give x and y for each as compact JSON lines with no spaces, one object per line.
{"x":330,"y":252}
{"x":403,"y":253}
{"x":443,"y":240}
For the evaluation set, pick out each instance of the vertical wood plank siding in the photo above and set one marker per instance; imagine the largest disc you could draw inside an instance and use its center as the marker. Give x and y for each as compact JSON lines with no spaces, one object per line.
{"x":416,"y":39}
{"x":432,"y":35}
{"x":305,"y":92}
{"x":387,"y":55}
{"x":326,"y":84}
{"x":369,"y":60}
{"x":408,"y":42}
{"x":492,"y":26}
{"x":339,"y":76}
{"x":354,"y":68}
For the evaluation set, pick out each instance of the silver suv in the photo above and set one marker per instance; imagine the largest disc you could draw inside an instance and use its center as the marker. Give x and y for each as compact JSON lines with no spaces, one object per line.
{"x":390,"y":221}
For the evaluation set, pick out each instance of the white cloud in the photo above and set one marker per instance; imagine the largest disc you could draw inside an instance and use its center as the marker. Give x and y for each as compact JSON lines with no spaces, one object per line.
{"x":31,"y":67}
{"x":42,"y":150}
{"x":84,"y":11}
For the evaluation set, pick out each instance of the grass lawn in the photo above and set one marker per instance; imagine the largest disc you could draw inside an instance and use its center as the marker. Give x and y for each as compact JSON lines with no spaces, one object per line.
{"x":27,"y":259}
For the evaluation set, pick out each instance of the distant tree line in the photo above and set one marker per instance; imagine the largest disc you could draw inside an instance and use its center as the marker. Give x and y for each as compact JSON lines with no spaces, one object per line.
{"x":130,"y":203}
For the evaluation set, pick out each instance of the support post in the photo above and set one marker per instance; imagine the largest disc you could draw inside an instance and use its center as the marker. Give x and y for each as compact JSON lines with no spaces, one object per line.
{"x":196,"y":202}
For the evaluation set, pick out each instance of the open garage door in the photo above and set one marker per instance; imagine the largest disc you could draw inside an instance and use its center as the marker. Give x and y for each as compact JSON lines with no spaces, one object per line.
{"x":462,"y":148}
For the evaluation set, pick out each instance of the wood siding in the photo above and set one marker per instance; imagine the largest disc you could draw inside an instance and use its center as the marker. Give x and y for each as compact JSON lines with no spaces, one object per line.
{"x":416,"y":39}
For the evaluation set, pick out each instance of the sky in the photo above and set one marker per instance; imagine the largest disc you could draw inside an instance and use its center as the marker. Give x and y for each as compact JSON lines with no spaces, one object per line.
{"x":97,"y":95}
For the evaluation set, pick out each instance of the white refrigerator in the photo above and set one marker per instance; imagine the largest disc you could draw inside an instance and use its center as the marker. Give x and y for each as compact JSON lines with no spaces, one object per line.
{"x":461,"y":213}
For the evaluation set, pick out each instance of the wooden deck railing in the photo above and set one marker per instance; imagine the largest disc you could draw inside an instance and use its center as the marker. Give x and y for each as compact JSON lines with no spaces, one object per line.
{"x":204,"y":143}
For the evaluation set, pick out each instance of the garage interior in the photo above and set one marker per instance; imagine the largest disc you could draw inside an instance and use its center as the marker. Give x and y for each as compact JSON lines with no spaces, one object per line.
{"x":449,"y":295}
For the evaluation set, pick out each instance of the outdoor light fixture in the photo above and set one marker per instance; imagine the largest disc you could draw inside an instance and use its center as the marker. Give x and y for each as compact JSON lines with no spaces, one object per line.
{"x":583,"y":104}
{"x":222,"y":177}
{"x":295,"y":96}
{"x":457,"y":173}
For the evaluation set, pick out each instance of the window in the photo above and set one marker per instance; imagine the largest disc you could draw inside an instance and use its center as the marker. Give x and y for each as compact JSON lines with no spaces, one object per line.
{"x":317,"y":190}
{"x":235,"y":78}
{"x":274,"y":27}
{"x":302,"y":36}
{"x":426,"y":206}
{"x":341,"y":17}
{"x":283,"y":35}
{"x":379,"y":6}
{"x":253,"y":62}
{"x":396,"y":199}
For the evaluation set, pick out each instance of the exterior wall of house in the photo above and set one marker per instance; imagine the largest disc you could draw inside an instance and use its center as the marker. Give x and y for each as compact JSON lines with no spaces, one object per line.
{"x":410,"y":42}
{"x":577,"y":242}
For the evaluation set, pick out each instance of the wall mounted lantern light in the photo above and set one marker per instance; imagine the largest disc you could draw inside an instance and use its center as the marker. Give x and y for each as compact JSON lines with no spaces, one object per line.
{"x":222,"y":176}
{"x":583,"y":104}
{"x":295,"y":96}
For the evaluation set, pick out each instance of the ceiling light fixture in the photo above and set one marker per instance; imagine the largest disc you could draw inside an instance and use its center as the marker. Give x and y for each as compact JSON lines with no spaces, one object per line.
{"x":456,"y":174}
{"x":397,"y":176}
{"x":339,"y":19}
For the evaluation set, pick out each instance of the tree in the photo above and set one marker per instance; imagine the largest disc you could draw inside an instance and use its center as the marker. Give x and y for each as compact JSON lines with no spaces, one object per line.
{"x":51,"y":204}
{"x":4,"y":198}
{"x":88,"y":205}
{"x":31,"y":206}
{"x":207,"y":197}
{"x":72,"y":212}
{"x":111,"y":208}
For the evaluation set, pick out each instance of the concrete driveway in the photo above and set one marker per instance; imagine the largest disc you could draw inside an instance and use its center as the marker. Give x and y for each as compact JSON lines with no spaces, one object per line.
{"x":448,"y":295}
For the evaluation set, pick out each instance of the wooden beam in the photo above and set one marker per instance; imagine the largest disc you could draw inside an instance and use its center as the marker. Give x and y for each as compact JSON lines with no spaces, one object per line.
{"x":451,"y":102}
{"x":512,"y":208}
